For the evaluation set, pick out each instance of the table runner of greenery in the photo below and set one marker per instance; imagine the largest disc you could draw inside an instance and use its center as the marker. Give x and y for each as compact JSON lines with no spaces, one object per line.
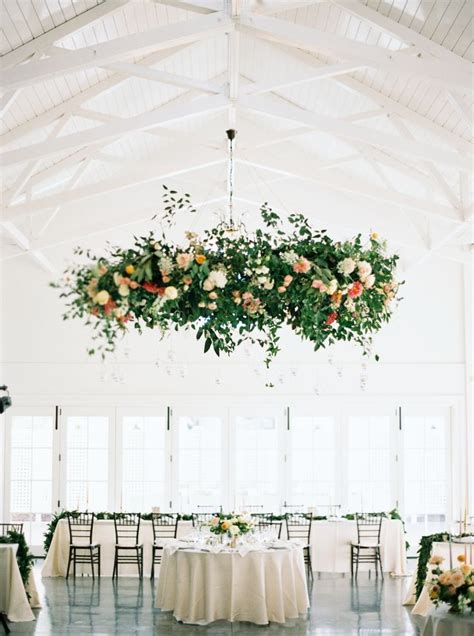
{"x":146,"y":516}
{"x":23,"y":556}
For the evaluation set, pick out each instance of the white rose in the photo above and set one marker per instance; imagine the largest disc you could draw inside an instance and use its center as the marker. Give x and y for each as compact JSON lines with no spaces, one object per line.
{"x":369,"y":281}
{"x":117,"y":278}
{"x":332,"y":287}
{"x":102,"y":297}
{"x":208,"y":284}
{"x":234,"y":530}
{"x":269,"y":284}
{"x":347,"y":266}
{"x":261,"y":280}
{"x":218,"y":277}
{"x":263,"y":269}
{"x":171,"y":293}
{"x":364,"y":268}
{"x":123,"y":290}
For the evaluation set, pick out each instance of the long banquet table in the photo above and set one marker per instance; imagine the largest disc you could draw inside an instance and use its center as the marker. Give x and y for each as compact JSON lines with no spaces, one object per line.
{"x":330,"y":541}
{"x":255,"y":584}
{"x":13,"y":596}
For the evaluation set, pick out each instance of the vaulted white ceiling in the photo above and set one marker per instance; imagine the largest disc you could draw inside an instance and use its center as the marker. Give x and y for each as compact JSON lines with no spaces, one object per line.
{"x":357,"y":113}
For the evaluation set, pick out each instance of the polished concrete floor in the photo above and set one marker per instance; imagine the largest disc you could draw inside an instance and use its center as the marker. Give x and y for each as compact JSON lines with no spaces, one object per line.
{"x":338,"y":606}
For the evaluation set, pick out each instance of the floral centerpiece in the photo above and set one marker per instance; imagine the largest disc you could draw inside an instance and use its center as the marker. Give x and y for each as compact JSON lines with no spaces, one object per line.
{"x":233,"y":525}
{"x":454,"y":587}
{"x":232,"y":290}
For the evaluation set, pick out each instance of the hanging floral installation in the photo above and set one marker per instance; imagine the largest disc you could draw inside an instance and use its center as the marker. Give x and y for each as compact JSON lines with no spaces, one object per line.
{"x":234,"y":287}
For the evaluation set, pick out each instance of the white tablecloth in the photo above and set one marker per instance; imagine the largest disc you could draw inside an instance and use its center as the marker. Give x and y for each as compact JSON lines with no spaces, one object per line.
{"x":331,"y":546}
{"x":330,"y":540}
{"x":104,"y":533}
{"x":423,"y":605}
{"x":261,"y":587}
{"x":443,"y":624}
{"x":13,"y":599}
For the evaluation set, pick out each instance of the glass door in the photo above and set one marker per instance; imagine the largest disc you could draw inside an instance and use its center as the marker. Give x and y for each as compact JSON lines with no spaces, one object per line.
{"x":313,"y":462}
{"x":87,"y":470}
{"x":198,"y":458}
{"x":256,"y":443}
{"x":143,"y":456}
{"x":426,"y":470}
{"x":370,"y":462}
{"x":30,"y":449}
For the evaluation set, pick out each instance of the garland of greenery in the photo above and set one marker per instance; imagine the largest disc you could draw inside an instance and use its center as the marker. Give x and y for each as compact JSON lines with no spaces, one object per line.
{"x":232,"y":289}
{"x":23,"y":555}
{"x":146,"y":516}
{"x":424,"y":553}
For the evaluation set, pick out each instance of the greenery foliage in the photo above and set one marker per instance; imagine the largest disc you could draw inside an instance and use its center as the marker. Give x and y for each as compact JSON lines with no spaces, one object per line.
{"x":424,"y":552}
{"x":232,"y":289}
{"x":23,"y":555}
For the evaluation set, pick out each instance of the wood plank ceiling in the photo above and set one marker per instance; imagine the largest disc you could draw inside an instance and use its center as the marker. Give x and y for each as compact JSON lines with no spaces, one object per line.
{"x":364,"y":107}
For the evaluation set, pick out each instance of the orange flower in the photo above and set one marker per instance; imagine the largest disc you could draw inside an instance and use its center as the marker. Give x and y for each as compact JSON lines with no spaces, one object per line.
{"x":461,"y":558}
{"x":200,"y":259}
{"x":130,"y":269}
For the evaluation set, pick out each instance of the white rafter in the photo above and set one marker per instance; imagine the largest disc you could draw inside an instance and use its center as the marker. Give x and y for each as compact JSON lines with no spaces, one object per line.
{"x":418,"y":150}
{"x":163,"y":37}
{"x":144,"y":121}
{"x":404,"y":34}
{"x":391,"y":106}
{"x":44,"y":41}
{"x":316,"y":40}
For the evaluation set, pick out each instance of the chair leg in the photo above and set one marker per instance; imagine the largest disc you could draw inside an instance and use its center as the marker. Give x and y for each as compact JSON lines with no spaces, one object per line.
{"x":74,"y":558}
{"x":152,"y":576}
{"x":3,"y":620}
{"x":357,"y":563}
{"x":92,"y":562}
{"x":69,"y":562}
{"x":380,"y":562}
{"x":114,"y":572}
{"x":141,"y":562}
{"x":352,"y":561}
{"x":310,"y":564}
{"x":99,"y":561}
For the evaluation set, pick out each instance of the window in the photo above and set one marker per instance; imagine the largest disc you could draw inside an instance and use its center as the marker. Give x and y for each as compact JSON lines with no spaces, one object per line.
{"x":426,"y":477}
{"x":31,"y":441}
{"x":200,"y":483}
{"x":143,"y":462}
{"x":313,"y":463}
{"x":87,"y":462}
{"x":256,"y":469}
{"x":369,"y":463}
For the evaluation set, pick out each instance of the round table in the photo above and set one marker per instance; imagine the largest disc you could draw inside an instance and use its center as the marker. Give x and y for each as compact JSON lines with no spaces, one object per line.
{"x":258,"y":585}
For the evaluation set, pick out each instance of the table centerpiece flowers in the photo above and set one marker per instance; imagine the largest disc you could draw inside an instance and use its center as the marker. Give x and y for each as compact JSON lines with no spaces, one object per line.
{"x":232,"y":524}
{"x":454,"y":587}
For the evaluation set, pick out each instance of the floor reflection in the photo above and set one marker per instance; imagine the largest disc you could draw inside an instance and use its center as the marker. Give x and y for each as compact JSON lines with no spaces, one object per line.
{"x":339,"y":607}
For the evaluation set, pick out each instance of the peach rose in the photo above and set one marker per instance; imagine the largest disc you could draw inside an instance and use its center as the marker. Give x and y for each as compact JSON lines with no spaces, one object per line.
{"x":281,"y":289}
{"x":212,"y":306}
{"x":302,"y":266}
{"x":287,"y":280}
{"x":183,"y":260}
{"x":318,"y":284}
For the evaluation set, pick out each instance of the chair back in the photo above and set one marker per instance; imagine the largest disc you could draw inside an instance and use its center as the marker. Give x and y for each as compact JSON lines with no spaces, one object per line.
{"x":165,"y":526}
{"x":5,"y":528}
{"x":202,"y":518}
{"x":270,"y":527}
{"x":298,"y":526}
{"x":369,"y":527}
{"x":127,"y":527}
{"x":81,"y":527}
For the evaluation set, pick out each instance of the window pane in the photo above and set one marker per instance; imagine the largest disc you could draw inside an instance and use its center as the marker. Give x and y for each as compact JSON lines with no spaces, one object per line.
{"x":368,"y":464}
{"x":256,"y":463}
{"x":200,"y":480}
{"x":31,"y":474}
{"x":425,"y":474}
{"x":87,"y":462}
{"x":313,"y":463}
{"x":143,"y":463}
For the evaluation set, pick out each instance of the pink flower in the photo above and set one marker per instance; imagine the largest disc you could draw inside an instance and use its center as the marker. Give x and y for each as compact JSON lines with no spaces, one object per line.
{"x":331,"y":318}
{"x":287,"y":280}
{"x":247,"y":295}
{"x":212,"y":306}
{"x":302,"y":265}
{"x":282,"y":289}
{"x":355,"y":290}
{"x":318,"y":284}
{"x":183,"y":260}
